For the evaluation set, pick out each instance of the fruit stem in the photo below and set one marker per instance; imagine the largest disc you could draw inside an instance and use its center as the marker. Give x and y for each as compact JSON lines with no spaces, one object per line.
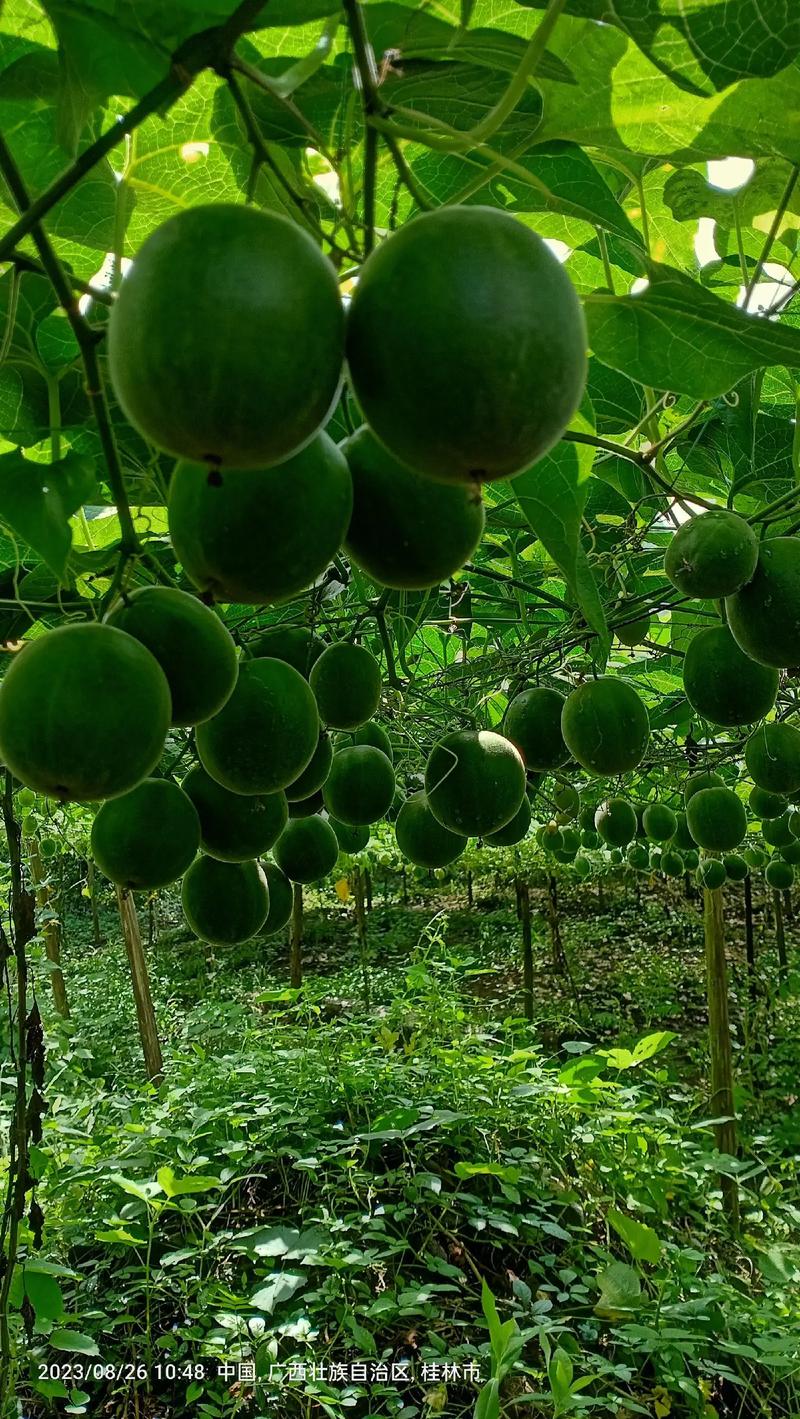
{"x":505,"y":106}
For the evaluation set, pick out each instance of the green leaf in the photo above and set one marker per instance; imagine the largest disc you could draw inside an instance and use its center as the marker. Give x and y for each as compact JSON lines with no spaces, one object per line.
{"x":278,"y":1289}
{"x":559,"y":1373}
{"x":641,"y":1240}
{"x":38,"y":499}
{"x":678,"y":336}
{"x":144,"y":1191}
{"x":73,"y":1341}
{"x":488,"y":1402}
{"x":181,"y":1187}
{"x":44,"y":1294}
{"x":620,"y":1290}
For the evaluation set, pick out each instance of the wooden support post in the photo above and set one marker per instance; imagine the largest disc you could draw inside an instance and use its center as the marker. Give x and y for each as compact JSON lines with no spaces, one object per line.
{"x":524,"y":899}
{"x":470,"y":901}
{"x":145,"y":1012}
{"x":368,"y":889}
{"x":749,"y":941}
{"x":296,"y":937}
{"x":405,"y":886}
{"x":91,"y":887}
{"x":361,"y":929}
{"x":780,"y":933}
{"x":555,"y":927}
{"x":721,"y":1102}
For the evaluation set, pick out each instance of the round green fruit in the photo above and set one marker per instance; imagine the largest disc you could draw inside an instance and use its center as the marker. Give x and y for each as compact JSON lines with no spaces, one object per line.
{"x":615,"y":856}
{"x":304,"y":807}
{"x":722,"y":683}
{"x":755,"y":857}
{"x":690,"y":859}
{"x":765,"y":615}
{"x":351,"y":839}
{"x":297,"y":645}
{"x":790,"y":852}
{"x":589,"y":838}
{"x":190,"y":643}
{"x":280,"y":899}
{"x":659,"y":822}
{"x":704,"y":778}
{"x":778,"y":831}
{"x":638,"y":857}
{"x":307,"y":849}
{"x":717,"y":819}
{"x":225,"y":902}
{"x":583,"y":868}
{"x":346,"y":681}
{"x":682,"y":839}
{"x":234,"y":827}
{"x":632,"y":633}
{"x":84,"y":712}
{"x":315,"y":772}
{"x":265,"y":736}
{"x":225,"y":342}
{"x":360,"y":786}
{"x":422,"y":839}
{"x":260,"y":535}
{"x":146,"y":838}
{"x":772,"y":756}
{"x":606,"y":726}
{"x":736,"y":868}
{"x":567,"y":800}
{"x":515,"y":829}
{"x":711,"y":873}
{"x":369,"y":733}
{"x":712,"y":555}
{"x":475,"y":782}
{"x":407,"y":531}
{"x":779,"y":875}
{"x":533,"y":724}
{"x":615,"y":821}
{"x":460,"y":388}
{"x":765,"y":805}
{"x":570,"y":840}
{"x":672,"y":863}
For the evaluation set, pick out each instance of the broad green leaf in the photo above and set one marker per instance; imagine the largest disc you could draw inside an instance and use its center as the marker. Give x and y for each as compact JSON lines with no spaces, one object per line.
{"x":182,"y":1187}
{"x":676,"y":335}
{"x":620,"y":1290}
{"x":144,"y":1191}
{"x":278,"y":1289}
{"x":488,"y":1402}
{"x":641,"y":1241}
{"x":38,"y":499}
{"x":44,"y":1294}
{"x":73,"y":1341}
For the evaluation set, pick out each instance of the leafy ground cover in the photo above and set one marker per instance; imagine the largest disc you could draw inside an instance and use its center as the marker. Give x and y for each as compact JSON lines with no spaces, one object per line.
{"x":317,"y":1184}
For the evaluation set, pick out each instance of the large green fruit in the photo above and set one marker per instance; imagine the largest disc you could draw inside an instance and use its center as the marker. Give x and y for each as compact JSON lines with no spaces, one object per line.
{"x":422,"y":838}
{"x":304,"y":807}
{"x":533,"y":723}
{"x":466,"y":344}
{"x":712,"y":555}
{"x":148,"y":837}
{"x":778,"y":831}
{"x":682,"y":838}
{"x":704,"y":778}
{"x":280,"y":899}
{"x":615,"y":821}
{"x":190,"y":643}
{"x":346,"y":681}
{"x":374,"y":734}
{"x":717,"y":819}
{"x":711,"y":873}
{"x":790,"y":852}
{"x":736,"y":868}
{"x":260,"y":535}
{"x":360,"y":786}
{"x":633,"y":633}
{"x":315,"y":773}
{"x":772,"y":756}
{"x":567,"y":799}
{"x":475,"y":782}
{"x":225,"y":902}
{"x":407,"y":532}
{"x":225,"y":342}
{"x":659,"y":822}
{"x":765,"y":805}
{"x":606,"y":726}
{"x":351,"y":839}
{"x":297,"y":645}
{"x":765,"y":615}
{"x":672,"y":864}
{"x":307,"y":849}
{"x":84,"y":712}
{"x":722,"y":683}
{"x":234,"y":827}
{"x":514,"y":830}
{"x":779,"y":875}
{"x":638,"y":857}
{"x":266,"y":734}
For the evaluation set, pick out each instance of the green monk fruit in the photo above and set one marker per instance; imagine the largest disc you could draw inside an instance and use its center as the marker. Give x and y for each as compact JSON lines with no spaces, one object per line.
{"x":475,"y":782}
{"x":260,"y":535}
{"x":407,"y":531}
{"x":459,"y":385}
{"x":84,"y":712}
{"x":307,"y":849}
{"x":190,"y":643}
{"x":717,"y":819}
{"x":315,"y":773}
{"x":225,"y":342}
{"x":422,"y":838}
{"x":234,"y":827}
{"x":280,"y":899}
{"x":266,"y":734}
{"x":722,"y":683}
{"x":712,"y":555}
{"x":606,"y":726}
{"x":225,"y":902}
{"x":148,"y":837}
{"x":772,"y":756}
{"x":533,"y":723}
{"x":764,"y":615}
{"x":615,"y":821}
{"x":360,"y":786}
{"x":515,"y":829}
{"x":346,"y":681}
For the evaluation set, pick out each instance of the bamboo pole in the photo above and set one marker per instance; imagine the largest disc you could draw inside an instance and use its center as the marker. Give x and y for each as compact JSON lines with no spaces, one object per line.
{"x":145,"y":1012}
{"x":50,"y":927}
{"x":719,"y":1041}
{"x":296,"y":937}
{"x":524,"y":899}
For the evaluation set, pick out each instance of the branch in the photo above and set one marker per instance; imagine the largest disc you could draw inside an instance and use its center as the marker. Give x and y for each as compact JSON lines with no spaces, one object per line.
{"x":372,"y":104}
